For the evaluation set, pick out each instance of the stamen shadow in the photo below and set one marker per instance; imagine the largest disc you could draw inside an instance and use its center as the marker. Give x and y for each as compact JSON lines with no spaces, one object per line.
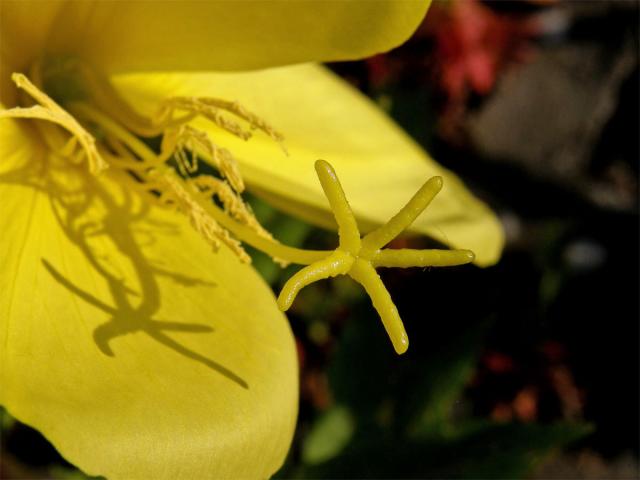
{"x":117,"y":220}
{"x":124,"y":321}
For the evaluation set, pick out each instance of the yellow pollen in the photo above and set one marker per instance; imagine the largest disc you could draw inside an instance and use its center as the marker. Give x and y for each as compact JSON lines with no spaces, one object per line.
{"x":212,"y":187}
{"x":187,"y":142}
{"x":212,"y":108}
{"x":203,"y":223}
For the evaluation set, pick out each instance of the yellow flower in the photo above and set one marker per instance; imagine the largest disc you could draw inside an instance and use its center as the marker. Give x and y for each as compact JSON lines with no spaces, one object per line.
{"x":132,"y":347}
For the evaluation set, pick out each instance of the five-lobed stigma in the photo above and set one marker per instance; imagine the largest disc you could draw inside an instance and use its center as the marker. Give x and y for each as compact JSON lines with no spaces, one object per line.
{"x":358,"y":257}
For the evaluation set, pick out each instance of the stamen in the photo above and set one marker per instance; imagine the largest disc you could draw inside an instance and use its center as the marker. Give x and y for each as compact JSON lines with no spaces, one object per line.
{"x":172,"y":190}
{"x":178,"y":137}
{"x":211,"y":108}
{"x":188,"y":139}
{"x":203,"y":223}
{"x":212,"y":187}
{"x":50,"y":111}
{"x":109,"y":101}
{"x":69,"y":147}
{"x":170,"y":121}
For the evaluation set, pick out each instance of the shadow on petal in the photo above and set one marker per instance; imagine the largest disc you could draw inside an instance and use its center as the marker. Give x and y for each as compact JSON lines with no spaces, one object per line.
{"x":93,"y":212}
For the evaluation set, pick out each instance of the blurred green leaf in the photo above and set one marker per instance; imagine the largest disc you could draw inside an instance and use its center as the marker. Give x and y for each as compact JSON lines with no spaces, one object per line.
{"x":434,"y":389}
{"x":329,"y":435}
{"x":423,"y":385}
{"x":361,"y":374}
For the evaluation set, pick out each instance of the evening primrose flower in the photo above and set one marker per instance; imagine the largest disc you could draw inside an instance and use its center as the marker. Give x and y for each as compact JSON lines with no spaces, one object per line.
{"x":136,"y":350}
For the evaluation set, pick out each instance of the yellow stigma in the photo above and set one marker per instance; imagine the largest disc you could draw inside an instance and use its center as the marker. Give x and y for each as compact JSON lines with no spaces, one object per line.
{"x":358,"y":257}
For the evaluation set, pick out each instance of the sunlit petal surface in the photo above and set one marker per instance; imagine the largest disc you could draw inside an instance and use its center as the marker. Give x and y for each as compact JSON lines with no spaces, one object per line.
{"x":124,"y":339}
{"x":208,"y":35}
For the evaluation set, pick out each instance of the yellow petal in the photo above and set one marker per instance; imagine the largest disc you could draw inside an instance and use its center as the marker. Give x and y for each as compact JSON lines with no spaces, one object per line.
{"x":321,"y":116}
{"x":223,"y":35}
{"x":132,"y":347}
{"x":23,"y":33}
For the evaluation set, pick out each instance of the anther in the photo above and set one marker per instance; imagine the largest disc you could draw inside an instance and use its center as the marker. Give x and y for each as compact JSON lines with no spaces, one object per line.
{"x":50,"y":111}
